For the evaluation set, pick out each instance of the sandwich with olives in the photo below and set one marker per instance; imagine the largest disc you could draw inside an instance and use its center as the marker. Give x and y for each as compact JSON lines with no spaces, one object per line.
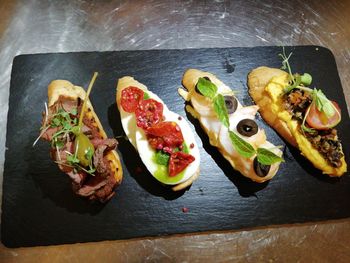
{"x":78,"y":143}
{"x":162,"y":138}
{"x":230,"y":126}
{"x":305,"y":117}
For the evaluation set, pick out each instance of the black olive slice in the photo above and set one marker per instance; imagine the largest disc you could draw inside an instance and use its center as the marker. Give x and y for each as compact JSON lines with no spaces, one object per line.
{"x":230,"y":103}
{"x":261,"y":170}
{"x":197,"y":90}
{"x":247,"y":127}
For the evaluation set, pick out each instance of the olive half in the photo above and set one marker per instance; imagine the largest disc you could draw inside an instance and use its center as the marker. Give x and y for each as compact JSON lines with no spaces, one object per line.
{"x":197,"y":90}
{"x":247,"y":127}
{"x":230,"y":103}
{"x":261,"y":170}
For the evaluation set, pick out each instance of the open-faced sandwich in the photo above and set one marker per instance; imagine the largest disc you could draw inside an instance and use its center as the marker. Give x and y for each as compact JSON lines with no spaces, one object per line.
{"x":79,"y":144}
{"x":303,"y":116}
{"x":163,"y":139}
{"x":230,"y":126}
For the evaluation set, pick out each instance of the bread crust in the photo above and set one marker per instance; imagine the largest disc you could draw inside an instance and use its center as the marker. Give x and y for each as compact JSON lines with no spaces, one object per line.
{"x":59,"y":88}
{"x":128,"y":81}
{"x":258,"y":79}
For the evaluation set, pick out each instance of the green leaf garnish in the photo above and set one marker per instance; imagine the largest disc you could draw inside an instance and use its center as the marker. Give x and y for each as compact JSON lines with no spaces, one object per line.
{"x":285,"y":62}
{"x":72,"y":159}
{"x":89,"y":153}
{"x":146,"y":96}
{"x":322,"y":103}
{"x":221,"y":110}
{"x":306,"y":79}
{"x":241,"y":146}
{"x":267,"y":157}
{"x":206,"y":88}
{"x":295,"y":83}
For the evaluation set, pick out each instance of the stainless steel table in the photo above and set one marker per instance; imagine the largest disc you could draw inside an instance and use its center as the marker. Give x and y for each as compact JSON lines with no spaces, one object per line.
{"x":61,"y":26}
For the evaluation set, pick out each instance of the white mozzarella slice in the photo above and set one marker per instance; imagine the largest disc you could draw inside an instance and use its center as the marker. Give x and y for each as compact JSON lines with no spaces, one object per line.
{"x":147,"y":153}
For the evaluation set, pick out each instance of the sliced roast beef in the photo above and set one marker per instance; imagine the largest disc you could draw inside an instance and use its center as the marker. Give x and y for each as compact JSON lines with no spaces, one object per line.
{"x":100,"y":163}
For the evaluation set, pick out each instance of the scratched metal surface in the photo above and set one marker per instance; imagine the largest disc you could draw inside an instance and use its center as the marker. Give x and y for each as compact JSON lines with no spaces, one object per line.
{"x":35,"y":26}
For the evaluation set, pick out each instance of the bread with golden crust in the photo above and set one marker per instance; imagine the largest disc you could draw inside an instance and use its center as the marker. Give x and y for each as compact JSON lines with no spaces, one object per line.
{"x":126,"y":82}
{"x":64,"y":88}
{"x":266,"y":88}
{"x":202,"y":110}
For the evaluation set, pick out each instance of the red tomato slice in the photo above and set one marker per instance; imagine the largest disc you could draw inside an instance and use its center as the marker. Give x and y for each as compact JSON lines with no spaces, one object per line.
{"x":148,"y":113}
{"x":131,"y":96}
{"x":319,"y":121}
{"x":165,"y":134}
{"x":178,"y":162}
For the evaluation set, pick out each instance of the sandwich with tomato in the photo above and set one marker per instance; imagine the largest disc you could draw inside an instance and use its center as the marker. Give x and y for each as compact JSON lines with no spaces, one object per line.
{"x":230,"y":126}
{"x":162,"y":138}
{"x":305,"y":117}
{"x":78,"y":142}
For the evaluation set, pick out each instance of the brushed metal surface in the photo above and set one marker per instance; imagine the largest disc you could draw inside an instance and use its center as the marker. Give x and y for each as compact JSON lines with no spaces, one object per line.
{"x":35,"y":26}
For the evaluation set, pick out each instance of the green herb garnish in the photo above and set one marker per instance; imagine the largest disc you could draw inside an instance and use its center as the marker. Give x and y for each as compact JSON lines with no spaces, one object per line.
{"x":221,"y":110}
{"x":206,"y":88}
{"x":161,"y":158}
{"x":146,"y":96}
{"x":322,"y":103}
{"x":267,"y":157}
{"x":241,"y":146}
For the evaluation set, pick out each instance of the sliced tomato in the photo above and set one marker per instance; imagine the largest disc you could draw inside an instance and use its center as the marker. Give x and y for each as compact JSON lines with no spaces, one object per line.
{"x":148,"y":113}
{"x":165,"y":135}
{"x":178,"y":162}
{"x":319,"y":121}
{"x":131,"y":96}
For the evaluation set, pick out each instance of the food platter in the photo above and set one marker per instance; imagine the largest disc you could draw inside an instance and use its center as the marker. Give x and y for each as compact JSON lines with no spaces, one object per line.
{"x":39,"y":207}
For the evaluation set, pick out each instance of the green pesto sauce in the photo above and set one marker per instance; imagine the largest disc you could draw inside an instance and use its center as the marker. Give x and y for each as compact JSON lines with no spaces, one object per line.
{"x":161,"y":173}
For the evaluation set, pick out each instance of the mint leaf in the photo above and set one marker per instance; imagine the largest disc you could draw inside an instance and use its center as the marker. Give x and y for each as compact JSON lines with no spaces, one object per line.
{"x":221,"y":110}
{"x":241,"y":146}
{"x":206,"y":88}
{"x":267,"y":157}
{"x":161,"y":158}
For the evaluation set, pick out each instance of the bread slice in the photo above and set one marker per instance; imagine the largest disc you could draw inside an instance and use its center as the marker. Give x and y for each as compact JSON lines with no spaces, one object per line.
{"x":266,"y":88}
{"x":201,"y":108}
{"x":133,"y":133}
{"x":59,"y":89}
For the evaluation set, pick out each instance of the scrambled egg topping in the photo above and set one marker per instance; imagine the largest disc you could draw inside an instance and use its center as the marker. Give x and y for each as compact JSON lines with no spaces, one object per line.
{"x":275,"y":91}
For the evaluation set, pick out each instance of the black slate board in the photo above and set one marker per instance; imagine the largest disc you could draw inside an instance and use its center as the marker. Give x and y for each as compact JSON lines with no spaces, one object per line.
{"x":39,"y":207}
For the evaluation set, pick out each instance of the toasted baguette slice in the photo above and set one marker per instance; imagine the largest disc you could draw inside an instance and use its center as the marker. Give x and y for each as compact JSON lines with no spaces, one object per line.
{"x":266,"y":88}
{"x":138,"y":139}
{"x":59,"y":89}
{"x":218,"y":134}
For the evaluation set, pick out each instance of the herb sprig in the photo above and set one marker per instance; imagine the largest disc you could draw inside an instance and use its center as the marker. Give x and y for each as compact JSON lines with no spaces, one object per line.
{"x":296,"y":81}
{"x":245,"y":149}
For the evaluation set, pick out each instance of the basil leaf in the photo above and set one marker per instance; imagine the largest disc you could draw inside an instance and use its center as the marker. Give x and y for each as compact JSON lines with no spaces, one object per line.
{"x":266,"y":157}
{"x":221,"y":110}
{"x":146,"y":96}
{"x":161,"y":158}
{"x":206,"y":88}
{"x":241,"y":146}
